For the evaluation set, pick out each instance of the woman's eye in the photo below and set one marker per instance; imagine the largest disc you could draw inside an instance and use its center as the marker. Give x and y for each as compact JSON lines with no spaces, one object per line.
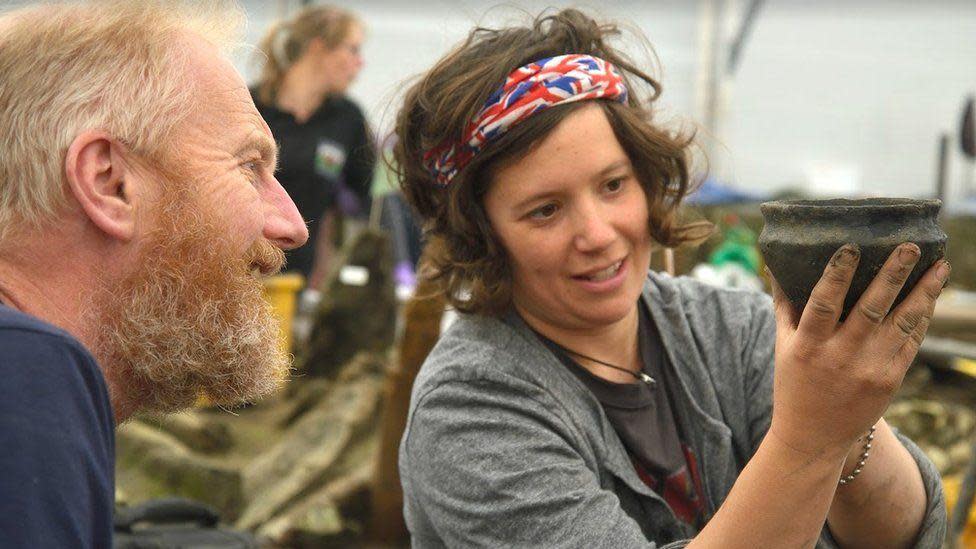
{"x":544,"y":212}
{"x":615,"y":185}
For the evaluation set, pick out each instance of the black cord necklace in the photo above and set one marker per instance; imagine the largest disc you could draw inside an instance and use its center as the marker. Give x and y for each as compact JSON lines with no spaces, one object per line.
{"x":640,"y":376}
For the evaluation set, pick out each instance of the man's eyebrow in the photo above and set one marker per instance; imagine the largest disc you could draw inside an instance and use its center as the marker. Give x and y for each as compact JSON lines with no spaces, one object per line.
{"x":265,"y":146}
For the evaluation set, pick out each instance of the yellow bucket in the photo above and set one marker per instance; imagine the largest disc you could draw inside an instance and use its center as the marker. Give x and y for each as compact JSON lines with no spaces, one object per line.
{"x":951,"y":485}
{"x":281,"y":291}
{"x":965,"y":366}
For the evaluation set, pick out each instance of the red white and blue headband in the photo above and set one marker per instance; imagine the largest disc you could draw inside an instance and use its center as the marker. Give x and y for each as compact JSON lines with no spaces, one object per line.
{"x":527,"y":90}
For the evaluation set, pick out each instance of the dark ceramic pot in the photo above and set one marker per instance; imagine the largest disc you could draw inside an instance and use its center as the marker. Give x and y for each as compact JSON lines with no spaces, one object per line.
{"x":800,"y":236}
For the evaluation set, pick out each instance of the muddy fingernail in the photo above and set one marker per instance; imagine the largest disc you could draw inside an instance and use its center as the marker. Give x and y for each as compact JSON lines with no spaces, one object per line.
{"x":847,"y":255}
{"x":908,"y":254}
{"x":943,"y":272}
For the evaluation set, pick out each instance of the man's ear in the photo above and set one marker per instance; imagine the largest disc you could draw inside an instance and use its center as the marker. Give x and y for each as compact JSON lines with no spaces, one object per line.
{"x":96,"y":175}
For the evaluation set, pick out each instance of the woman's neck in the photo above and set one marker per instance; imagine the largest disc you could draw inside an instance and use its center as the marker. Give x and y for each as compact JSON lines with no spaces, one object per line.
{"x":615,"y":343}
{"x":299,"y":94}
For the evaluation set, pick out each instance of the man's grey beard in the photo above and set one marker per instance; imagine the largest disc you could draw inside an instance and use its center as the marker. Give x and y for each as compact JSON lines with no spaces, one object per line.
{"x":191,"y":322}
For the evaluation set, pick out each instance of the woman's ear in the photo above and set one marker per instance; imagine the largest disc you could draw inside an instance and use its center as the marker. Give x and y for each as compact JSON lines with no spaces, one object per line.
{"x":96,"y":176}
{"x":316,"y":46}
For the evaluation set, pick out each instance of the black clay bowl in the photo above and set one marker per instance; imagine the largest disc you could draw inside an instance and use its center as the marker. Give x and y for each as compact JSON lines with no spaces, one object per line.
{"x":800,"y":236}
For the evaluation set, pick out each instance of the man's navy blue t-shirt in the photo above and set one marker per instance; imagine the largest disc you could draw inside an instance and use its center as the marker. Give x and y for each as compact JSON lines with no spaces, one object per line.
{"x":57,"y":445}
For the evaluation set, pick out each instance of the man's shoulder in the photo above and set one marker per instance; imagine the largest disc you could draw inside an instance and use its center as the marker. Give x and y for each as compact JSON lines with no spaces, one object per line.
{"x":19,"y":329}
{"x":16,"y":320}
{"x":37,"y":357}
{"x":56,"y":428}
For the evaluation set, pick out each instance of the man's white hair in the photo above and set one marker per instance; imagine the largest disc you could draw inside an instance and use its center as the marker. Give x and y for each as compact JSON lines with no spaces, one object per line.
{"x":110,"y":65}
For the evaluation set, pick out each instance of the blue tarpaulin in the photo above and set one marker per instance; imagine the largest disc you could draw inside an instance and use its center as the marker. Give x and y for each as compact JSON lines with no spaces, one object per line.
{"x":965,"y":206}
{"x":711,"y":193}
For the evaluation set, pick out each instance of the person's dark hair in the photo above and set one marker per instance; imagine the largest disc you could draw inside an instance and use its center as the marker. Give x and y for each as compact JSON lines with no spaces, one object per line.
{"x":463,"y":254}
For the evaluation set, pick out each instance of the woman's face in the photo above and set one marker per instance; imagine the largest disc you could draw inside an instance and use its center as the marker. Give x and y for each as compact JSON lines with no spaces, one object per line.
{"x":573,"y":218}
{"x":341,"y":64}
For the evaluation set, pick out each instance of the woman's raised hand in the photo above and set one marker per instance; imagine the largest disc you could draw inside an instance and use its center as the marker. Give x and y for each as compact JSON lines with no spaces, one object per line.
{"x":833,"y":381}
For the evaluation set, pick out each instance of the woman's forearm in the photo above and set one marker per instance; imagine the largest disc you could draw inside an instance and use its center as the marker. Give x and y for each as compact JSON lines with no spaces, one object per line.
{"x":780,"y":499}
{"x":885,"y":505}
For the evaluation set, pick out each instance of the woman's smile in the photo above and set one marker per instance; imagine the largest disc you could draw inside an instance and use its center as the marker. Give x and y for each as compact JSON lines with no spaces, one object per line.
{"x":607,"y":279}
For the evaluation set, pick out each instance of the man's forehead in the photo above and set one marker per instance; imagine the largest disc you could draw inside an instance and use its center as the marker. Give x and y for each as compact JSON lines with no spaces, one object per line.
{"x":7,"y":21}
{"x":207,"y":66}
{"x":221,"y":96}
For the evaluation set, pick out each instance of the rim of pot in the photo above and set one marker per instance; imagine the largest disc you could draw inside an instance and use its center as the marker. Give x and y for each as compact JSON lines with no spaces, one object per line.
{"x":833,"y":207}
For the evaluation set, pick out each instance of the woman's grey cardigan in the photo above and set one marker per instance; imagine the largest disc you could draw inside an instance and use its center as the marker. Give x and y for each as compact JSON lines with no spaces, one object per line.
{"x":505,"y":447}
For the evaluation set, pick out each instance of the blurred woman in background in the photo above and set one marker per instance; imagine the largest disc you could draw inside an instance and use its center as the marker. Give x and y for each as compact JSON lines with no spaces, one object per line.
{"x":327,"y":152}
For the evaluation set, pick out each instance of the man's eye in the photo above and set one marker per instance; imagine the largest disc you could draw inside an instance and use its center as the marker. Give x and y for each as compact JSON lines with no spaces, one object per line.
{"x":252,"y":170}
{"x":544,"y":212}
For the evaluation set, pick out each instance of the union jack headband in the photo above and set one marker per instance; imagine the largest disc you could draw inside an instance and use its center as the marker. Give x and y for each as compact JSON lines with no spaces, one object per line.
{"x":527,"y":90}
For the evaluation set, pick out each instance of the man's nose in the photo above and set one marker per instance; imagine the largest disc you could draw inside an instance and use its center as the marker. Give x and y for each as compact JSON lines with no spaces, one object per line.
{"x":284,"y":226}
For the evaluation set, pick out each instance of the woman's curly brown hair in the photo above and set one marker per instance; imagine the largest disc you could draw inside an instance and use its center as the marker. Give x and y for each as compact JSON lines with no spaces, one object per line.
{"x":463,"y":253}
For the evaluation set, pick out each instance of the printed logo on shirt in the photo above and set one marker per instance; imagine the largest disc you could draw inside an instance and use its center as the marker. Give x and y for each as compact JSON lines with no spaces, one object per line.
{"x":330,"y":157}
{"x":682,"y":489}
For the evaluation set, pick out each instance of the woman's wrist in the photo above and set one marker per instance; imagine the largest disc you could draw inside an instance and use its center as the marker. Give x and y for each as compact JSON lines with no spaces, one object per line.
{"x":858,"y":456}
{"x":804,"y":441}
{"x":858,"y":447}
{"x":828,"y":457}
{"x":886,"y":505}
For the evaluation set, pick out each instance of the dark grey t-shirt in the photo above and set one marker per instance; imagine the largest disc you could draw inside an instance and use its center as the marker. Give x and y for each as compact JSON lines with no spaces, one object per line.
{"x":643,"y":418}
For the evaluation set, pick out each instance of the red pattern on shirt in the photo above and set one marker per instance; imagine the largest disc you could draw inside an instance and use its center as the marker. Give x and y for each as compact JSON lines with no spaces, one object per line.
{"x":682,"y":490}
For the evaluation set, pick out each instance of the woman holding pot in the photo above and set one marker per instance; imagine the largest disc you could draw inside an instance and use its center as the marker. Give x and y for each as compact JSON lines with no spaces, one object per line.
{"x":583,"y":401}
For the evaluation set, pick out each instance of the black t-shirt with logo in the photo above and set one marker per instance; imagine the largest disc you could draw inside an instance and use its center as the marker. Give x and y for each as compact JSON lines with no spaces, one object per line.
{"x":642,"y":416}
{"x":334,"y":146}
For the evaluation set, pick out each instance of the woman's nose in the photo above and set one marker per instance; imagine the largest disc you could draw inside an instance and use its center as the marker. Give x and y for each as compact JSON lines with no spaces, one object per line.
{"x":594,"y":228}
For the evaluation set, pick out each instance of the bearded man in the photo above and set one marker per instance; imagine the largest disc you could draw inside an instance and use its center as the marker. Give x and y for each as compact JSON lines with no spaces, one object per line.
{"x":138,"y":208}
